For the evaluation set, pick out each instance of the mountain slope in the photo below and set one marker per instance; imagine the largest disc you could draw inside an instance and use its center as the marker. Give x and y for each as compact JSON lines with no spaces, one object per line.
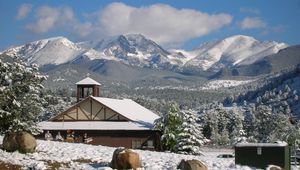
{"x":57,"y":50}
{"x":284,"y":59}
{"x":231,"y":51}
{"x":281,"y":91}
{"x":132,"y":49}
{"x":138,"y":51}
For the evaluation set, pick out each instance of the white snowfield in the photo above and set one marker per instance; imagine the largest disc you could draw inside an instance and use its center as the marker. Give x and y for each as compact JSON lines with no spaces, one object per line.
{"x":68,"y":153}
{"x":216,"y":84}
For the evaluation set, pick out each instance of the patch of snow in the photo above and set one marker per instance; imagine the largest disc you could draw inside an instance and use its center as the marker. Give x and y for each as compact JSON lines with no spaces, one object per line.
{"x":216,"y":84}
{"x":261,"y":144}
{"x":88,"y":81}
{"x":58,"y":79}
{"x":93,"y":55}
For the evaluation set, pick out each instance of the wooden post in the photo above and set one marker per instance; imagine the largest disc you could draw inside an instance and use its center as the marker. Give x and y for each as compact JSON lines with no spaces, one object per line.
{"x":91,"y":101}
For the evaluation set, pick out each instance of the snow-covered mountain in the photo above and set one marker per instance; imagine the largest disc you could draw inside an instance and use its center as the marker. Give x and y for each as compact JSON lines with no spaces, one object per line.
{"x":231,"y":51}
{"x":57,"y":50}
{"x":137,"y":50}
{"x":131,"y":49}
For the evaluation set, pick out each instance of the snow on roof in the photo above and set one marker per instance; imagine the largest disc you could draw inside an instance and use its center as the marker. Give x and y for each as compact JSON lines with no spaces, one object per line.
{"x":92,"y":125}
{"x":281,"y":144}
{"x":129,"y":109}
{"x":88,"y":81}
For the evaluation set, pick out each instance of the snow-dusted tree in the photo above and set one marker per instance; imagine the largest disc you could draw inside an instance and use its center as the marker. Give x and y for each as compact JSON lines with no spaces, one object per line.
{"x":169,"y":125}
{"x":270,"y":126}
{"x":190,"y":139}
{"x":20,"y":99}
{"x":56,"y":103}
{"x":263,"y":124}
{"x":235,"y":127}
{"x":224,"y":137}
{"x":249,"y":124}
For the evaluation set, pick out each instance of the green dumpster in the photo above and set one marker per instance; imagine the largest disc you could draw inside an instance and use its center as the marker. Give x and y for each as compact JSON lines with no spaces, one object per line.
{"x":260,"y":155}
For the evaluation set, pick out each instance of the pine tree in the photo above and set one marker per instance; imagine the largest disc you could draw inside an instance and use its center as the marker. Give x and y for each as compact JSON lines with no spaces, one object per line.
{"x":190,"y":139}
{"x":249,"y":123}
{"x":169,"y":125}
{"x":20,"y":98}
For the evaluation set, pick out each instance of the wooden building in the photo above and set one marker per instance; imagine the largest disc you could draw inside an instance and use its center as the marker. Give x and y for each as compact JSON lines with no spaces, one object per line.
{"x":260,"y":155}
{"x":106,"y":121}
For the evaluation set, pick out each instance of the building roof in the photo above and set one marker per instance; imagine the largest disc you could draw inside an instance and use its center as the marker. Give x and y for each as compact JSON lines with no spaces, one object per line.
{"x":129,"y":109}
{"x":88,"y":81}
{"x":139,"y":117}
{"x":93,"y":125}
{"x":279,"y":144}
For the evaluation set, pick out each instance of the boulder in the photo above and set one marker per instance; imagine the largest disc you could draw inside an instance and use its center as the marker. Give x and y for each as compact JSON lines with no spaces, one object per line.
{"x":192,"y":165}
{"x":273,"y":167}
{"x":9,"y":142}
{"x":125,"y":159}
{"x":20,"y":141}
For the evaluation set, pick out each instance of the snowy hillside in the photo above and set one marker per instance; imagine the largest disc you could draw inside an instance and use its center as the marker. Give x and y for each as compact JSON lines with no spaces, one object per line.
{"x":89,"y":157}
{"x":280,"y":91}
{"x":57,"y":50}
{"x":216,"y":84}
{"x":137,"y":50}
{"x":235,"y":50}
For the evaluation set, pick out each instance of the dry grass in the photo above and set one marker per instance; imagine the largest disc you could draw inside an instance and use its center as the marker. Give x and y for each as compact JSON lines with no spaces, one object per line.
{"x":57,"y":165}
{"x":8,"y":166}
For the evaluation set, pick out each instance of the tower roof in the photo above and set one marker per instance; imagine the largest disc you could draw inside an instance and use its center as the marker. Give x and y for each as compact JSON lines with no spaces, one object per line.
{"x":88,"y":81}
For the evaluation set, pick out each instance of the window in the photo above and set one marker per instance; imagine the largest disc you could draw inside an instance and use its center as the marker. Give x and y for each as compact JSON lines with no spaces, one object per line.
{"x":150,"y":144}
{"x":136,"y":144}
{"x":87,"y":92}
{"x":259,"y":151}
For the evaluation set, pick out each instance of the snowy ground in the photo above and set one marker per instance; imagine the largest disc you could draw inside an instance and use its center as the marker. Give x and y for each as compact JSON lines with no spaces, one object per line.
{"x":81,"y":156}
{"x":61,"y":155}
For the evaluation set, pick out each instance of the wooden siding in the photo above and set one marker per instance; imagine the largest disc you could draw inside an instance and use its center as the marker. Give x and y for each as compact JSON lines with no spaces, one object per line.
{"x":89,"y":110}
{"x":116,"y":138}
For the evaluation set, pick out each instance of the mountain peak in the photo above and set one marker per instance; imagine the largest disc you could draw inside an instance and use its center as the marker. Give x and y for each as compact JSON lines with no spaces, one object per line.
{"x":234,"y":50}
{"x":137,"y":50}
{"x":134,"y":36}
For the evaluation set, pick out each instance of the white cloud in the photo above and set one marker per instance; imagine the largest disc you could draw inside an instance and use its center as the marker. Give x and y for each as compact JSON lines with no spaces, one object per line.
{"x":161,"y":23}
{"x":48,"y":18}
{"x":23,"y":11}
{"x":251,"y":23}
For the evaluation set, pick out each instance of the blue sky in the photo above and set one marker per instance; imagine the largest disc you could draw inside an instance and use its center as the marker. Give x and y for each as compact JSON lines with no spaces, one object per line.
{"x":171,"y":23}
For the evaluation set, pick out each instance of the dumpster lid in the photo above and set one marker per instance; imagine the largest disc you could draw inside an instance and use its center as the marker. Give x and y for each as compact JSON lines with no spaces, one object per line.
{"x":278,"y":144}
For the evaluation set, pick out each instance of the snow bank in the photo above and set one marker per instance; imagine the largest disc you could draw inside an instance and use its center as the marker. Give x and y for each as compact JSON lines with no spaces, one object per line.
{"x":50,"y":151}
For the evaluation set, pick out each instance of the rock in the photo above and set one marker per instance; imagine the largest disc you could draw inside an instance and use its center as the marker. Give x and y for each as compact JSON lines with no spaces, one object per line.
{"x":9,"y":142}
{"x":26,"y":142}
{"x":274,"y":167}
{"x":20,"y":141}
{"x":192,"y":165}
{"x":125,"y":159}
